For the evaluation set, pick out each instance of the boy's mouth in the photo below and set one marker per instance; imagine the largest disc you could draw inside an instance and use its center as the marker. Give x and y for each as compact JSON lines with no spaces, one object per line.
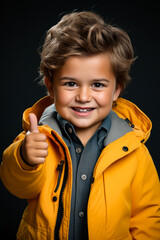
{"x":82,"y":110}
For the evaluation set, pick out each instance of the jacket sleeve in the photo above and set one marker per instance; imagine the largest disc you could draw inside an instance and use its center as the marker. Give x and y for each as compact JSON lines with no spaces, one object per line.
{"x":145,"y":219}
{"x":20,"y":179}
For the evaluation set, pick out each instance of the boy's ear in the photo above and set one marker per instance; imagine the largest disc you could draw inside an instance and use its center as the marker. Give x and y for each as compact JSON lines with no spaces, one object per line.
{"x":117,"y":92}
{"x":49,"y":86}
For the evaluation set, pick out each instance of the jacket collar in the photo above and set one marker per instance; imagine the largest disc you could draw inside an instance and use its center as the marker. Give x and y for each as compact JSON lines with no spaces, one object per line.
{"x":124,"y":109}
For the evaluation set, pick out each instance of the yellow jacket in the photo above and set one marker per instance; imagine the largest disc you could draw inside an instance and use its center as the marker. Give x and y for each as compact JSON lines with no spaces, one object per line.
{"x":124,"y":201}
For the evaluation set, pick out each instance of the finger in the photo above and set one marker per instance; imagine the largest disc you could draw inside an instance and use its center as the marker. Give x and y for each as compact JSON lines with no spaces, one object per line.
{"x":37,"y":161}
{"x":35,"y":137}
{"x":36,"y":155}
{"x":33,"y":123}
{"x":40,"y":160}
{"x":41,"y":154}
{"x":40,"y":145}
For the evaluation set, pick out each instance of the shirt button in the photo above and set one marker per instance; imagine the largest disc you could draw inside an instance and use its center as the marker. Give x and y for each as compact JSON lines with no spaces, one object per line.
{"x":70,"y":130}
{"x":83,"y":177}
{"x":81,"y":214}
{"x":78,"y":150}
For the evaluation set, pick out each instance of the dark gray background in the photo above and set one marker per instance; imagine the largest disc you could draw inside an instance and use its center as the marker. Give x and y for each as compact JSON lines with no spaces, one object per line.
{"x":23,"y":25}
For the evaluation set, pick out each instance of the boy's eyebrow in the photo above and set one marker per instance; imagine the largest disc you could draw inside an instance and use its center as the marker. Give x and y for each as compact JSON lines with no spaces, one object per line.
{"x":75,"y":79}
{"x":100,"y":79}
{"x":68,"y":78}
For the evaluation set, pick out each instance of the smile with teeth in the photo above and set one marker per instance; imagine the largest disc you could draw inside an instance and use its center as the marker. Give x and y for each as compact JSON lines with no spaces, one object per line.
{"x":82,"y":110}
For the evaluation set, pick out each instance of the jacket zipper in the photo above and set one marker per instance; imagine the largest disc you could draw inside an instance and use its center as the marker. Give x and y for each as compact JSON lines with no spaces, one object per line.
{"x":61,"y":207}
{"x":59,"y":168}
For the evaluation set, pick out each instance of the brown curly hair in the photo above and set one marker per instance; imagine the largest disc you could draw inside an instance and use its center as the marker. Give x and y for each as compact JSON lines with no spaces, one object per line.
{"x":84,"y":34}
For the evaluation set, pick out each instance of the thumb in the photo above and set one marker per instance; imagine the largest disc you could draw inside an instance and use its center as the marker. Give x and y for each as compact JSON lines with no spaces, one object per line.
{"x":33,"y":123}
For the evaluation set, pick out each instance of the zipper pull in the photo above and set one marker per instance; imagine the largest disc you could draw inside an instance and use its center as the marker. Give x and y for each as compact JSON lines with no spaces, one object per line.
{"x":59,"y":168}
{"x":129,"y":122}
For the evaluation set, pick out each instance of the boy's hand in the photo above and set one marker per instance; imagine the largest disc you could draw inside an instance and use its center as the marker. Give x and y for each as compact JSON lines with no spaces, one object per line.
{"x":34,"y":147}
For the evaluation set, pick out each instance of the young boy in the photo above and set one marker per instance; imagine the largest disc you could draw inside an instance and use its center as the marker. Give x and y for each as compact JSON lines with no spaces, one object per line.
{"x":81,"y":161}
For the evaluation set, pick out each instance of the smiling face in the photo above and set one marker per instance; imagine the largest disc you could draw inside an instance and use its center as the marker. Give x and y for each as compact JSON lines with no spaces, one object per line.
{"x":84,"y":90}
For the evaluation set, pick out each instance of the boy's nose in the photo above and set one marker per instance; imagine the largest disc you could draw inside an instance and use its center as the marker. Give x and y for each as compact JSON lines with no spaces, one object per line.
{"x":83,"y":95}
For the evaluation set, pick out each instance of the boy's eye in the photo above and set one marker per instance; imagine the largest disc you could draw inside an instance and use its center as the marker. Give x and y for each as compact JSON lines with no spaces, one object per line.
{"x":98,"y":85}
{"x":71,"y":84}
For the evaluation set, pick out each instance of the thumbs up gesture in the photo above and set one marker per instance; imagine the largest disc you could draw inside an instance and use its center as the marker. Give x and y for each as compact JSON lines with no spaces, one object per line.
{"x":34,"y":147}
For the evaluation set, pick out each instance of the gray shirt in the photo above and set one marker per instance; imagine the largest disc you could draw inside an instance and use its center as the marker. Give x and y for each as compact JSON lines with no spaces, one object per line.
{"x":83,"y":162}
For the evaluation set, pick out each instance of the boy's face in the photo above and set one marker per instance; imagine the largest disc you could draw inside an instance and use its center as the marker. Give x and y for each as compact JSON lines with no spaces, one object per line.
{"x":84,"y":90}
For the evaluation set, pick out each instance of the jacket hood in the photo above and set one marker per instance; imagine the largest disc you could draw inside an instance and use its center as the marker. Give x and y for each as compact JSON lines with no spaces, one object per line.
{"x":125,"y":117}
{"x":137,"y":119}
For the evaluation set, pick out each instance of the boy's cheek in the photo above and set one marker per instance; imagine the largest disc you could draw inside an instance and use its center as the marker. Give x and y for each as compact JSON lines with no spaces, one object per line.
{"x":63,"y":97}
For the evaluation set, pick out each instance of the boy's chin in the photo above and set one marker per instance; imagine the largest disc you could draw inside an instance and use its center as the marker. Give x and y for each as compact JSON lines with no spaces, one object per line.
{"x":85,"y":126}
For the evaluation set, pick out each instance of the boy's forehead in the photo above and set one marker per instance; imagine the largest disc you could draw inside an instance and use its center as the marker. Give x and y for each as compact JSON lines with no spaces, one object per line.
{"x":96,"y":59}
{"x":86,"y":67}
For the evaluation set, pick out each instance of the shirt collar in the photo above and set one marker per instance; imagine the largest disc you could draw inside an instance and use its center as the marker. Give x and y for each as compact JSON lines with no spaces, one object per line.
{"x":106,"y":124}
{"x":103,"y":130}
{"x":68,"y":128}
